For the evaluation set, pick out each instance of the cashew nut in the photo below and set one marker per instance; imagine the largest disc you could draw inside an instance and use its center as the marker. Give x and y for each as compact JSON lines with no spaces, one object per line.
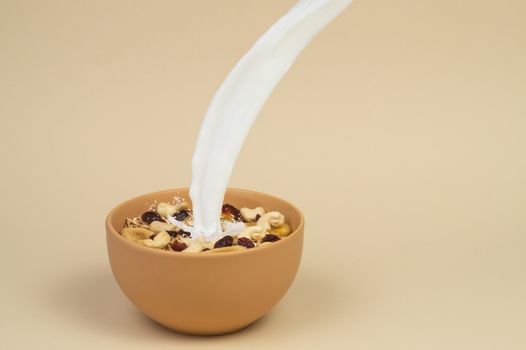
{"x":271,"y":219}
{"x":160,"y":241}
{"x":204,"y":243}
{"x":251,"y":215}
{"x":166,"y":209}
{"x":228,"y":249}
{"x":282,"y":231}
{"x":193,"y":246}
{"x":253,"y":232}
{"x":136,"y":233}
{"x":158,"y":226}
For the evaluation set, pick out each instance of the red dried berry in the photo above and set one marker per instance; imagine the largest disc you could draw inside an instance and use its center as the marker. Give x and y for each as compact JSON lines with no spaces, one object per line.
{"x":151,"y":216}
{"x":270,"y":238}
{"x":245,"y":242}
{"x":231,"y":210}
{"x":226,"y":241}
{"x":179,"y":246}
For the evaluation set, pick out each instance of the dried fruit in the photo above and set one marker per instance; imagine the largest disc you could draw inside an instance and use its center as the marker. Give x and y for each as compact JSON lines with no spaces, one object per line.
{"x":270,"y":238}
{"x":151,"y":216}
{"x":178,"y":246}
{"x":180,"y":216}
{"x":245,"y":242}
{"x":173,"y":233}
{"x":232,"y":211}
{"x":179,"y":233}
{"x":226,"y":241}
{"x":184,"y":233}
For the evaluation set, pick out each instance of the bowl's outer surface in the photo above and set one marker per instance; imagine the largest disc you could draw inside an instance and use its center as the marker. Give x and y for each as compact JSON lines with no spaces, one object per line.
{"x":205,"y":293}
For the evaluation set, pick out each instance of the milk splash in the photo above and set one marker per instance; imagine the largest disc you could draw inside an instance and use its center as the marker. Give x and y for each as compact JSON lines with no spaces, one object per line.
{"x":236,"y":104}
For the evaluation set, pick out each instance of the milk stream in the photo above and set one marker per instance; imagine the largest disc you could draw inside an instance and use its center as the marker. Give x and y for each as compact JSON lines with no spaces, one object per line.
{"x":235,"y":105}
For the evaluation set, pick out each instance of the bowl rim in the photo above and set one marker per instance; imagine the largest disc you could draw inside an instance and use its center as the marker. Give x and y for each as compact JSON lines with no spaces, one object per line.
{"x":202,"y":255}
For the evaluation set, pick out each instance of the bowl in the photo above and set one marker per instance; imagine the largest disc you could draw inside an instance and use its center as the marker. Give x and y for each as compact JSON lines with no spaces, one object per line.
{"x":203,"y":293}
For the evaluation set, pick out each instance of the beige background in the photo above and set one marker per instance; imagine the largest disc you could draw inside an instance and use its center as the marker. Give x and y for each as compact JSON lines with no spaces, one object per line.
{"x":400,"y":132}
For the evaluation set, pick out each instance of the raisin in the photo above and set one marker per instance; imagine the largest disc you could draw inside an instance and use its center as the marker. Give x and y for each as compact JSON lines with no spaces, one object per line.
{"x":181,"y":215}
{"x":172,"y":233}
{"x":245,"y":242}
{"x":257,"y":217}
{"x":204,"y":250}
{"x":151,"y":216}
{"x":232,"y":211}
{"x":226,"y":241}
{"x":270,"y":238}
{"x":184,"y":233}
{"x":179,"y":246}
{"x":179,"y":233}
{"x":152,"y":236}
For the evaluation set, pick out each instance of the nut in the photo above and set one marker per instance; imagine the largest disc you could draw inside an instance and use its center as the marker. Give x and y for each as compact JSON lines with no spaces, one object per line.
{"x":253,"y":232}
{"x":193,"y":246}
{"x":282,"y":231}
{"x":166,"y":209}
{"x":158,"y":226}
{"x":251,"y":215}
{"x":271,"y":219}
{"x":204,"y":243}
{"x":160,"y":241}
{"x":136,"y":233}
{"x":233,"y":248}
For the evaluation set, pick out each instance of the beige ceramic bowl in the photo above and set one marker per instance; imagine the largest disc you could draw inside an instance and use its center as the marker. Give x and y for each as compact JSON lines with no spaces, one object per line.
{"x":210,"y":293}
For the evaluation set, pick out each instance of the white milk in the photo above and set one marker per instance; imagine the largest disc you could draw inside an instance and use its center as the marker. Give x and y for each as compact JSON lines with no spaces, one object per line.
{"x":236,"y":104}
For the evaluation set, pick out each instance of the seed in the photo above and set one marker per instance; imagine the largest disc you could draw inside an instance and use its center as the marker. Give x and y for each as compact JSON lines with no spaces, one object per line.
{"x":179,"y":246}
{"x":151,"y":216}
{"x":245,"y":242}
{"x":231,"y":210}
{"x":270,"y":238}
{"x":181,"y":215}
{"x":226,"y":241}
